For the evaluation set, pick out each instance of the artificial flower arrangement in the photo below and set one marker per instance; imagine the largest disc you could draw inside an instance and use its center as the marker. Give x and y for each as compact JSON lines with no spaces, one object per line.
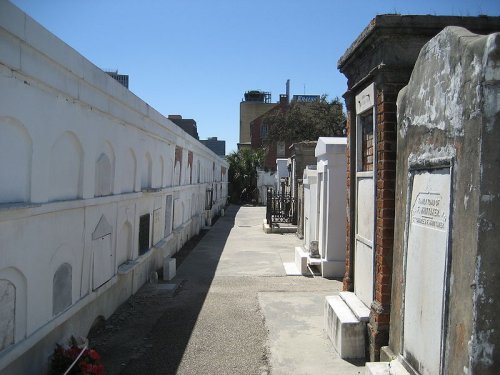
{"x":76,"y":353}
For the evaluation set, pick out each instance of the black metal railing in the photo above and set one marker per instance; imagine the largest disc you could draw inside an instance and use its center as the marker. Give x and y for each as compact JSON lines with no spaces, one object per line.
{"x":279,"y":207}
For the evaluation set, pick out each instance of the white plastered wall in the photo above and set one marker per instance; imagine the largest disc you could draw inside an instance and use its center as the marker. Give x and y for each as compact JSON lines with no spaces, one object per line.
{"x":58,"y":115}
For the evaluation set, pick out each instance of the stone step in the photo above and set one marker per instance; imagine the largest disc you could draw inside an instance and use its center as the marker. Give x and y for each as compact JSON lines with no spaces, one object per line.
{"x":301,"y":260}
{"x":357,"y":307}
{"x":385,"y":368}
{"x":314,"y":261}
{"x":344,"y":330}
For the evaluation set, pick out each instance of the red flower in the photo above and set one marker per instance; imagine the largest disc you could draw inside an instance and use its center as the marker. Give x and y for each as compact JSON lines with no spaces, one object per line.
{"x":94,"y":355}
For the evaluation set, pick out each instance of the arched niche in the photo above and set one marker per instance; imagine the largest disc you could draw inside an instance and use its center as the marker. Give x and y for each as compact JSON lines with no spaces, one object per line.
{"x":128,"y":172}
{"x":147,"y":171}
{"x":7,"y":313}
{"x":103,"y":176}
{"x":169,"y":171}
{"x":13,"y":307}
{"x":15,"y":161}
{"x":104,"y":171}
{"x":66,"y":158}
{"x":62,"y":296}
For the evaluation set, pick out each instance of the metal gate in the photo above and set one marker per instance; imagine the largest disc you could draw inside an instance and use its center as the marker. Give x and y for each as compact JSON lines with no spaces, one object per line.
{"x":279,"y":207}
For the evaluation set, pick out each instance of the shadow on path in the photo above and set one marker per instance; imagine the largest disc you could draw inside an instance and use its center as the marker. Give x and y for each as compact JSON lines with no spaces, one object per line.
{"x":150,"y":332}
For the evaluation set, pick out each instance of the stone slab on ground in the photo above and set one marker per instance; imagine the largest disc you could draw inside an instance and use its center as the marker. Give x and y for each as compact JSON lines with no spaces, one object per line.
{"x":345,"y":331}
{"x":291,"y":269}
{"x":297,"y":341}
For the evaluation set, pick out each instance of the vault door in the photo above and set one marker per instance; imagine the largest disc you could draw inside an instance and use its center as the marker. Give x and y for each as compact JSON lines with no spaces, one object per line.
{"x":365,"y":198}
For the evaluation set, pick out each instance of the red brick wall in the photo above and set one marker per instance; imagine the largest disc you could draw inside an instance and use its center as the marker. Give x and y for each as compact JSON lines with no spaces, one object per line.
{"x":348,"y":284}
{"x":386,"y":125}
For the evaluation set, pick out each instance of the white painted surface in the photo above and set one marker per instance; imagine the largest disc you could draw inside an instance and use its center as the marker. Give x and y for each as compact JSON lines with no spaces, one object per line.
{"x":365,"y":205}
{"x":426,"y":260}
{"x":363,"y":272}
{"x":301,"y":260}
{"x":310,"y":183}
{"x":365,"y":99}
{"x":331,"y":167}
{"x":363,"y":252}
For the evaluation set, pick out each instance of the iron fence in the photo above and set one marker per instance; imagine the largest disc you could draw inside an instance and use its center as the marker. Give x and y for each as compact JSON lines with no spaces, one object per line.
{"x":279,"y":207}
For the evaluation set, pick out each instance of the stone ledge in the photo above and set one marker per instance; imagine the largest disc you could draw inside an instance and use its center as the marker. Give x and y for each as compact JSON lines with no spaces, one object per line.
{"x":277,"y":228}
{"x":357,"y":307}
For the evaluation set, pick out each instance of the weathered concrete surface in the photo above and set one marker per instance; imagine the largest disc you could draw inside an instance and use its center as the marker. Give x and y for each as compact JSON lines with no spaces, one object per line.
{"x":298,"y":343}
{"x":448,"y":118}
{"x":228,"y":311}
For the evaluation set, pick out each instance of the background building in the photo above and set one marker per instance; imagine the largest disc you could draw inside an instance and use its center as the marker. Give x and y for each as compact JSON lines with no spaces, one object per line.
{"x":216,"y":145}
{"x":186,"y":124}
{"x":255,"y":104}
{"x":122,"y":78}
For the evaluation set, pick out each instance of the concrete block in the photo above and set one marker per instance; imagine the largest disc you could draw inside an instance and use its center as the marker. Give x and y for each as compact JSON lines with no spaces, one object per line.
{"x":169,"y":268}
{"x":344,"y":330}
{"x":385,"y":368}
{"x":386,"y":354}
{"x":301,"y":260}
{"x":359,"y":309}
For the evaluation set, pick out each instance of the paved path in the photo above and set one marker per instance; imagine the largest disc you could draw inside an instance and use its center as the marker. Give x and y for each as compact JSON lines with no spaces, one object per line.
{"x":236,"y":312}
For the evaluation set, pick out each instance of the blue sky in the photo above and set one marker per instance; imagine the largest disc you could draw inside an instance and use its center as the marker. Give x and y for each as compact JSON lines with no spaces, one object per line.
{"x":196,"y":58}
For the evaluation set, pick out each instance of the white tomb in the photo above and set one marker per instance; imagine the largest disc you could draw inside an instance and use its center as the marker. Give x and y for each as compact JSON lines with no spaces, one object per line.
{"x":331,"y":172}
{"x":310,"y":182}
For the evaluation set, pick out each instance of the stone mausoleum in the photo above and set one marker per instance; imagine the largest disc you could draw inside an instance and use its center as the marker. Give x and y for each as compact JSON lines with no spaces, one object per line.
{"x":377,"y":65}
{"x":446,"y":263}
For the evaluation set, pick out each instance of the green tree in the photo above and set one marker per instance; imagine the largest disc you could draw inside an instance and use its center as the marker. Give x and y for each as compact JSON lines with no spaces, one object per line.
{"x":307,"y":121}
{"x":243,"y":166}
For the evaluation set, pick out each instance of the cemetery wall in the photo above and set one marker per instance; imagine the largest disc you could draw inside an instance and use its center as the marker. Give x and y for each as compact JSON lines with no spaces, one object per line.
{"x":96,"y":188}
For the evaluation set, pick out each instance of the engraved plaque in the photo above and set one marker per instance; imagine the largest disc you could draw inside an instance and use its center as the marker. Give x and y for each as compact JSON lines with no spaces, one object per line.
{"x":426,"y":269}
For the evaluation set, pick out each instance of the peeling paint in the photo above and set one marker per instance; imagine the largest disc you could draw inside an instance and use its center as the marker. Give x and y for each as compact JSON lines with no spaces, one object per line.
{"x":480,"y":347}
{"x":431,"y":152}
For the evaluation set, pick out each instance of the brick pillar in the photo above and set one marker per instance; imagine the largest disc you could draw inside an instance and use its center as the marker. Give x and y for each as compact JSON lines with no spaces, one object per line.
{"x":348,"y":281}
{"x":386,"y":125}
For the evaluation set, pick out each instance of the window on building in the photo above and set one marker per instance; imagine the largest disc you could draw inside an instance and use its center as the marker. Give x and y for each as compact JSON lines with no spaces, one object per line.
{"x":263,"y":130}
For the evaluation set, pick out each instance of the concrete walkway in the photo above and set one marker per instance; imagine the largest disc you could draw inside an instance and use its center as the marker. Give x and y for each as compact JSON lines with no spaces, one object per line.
{"x":236,"y":311}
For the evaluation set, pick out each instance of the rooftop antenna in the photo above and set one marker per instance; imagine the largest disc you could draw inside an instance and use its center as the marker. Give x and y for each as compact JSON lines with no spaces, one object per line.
{"x":304,"y":88}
